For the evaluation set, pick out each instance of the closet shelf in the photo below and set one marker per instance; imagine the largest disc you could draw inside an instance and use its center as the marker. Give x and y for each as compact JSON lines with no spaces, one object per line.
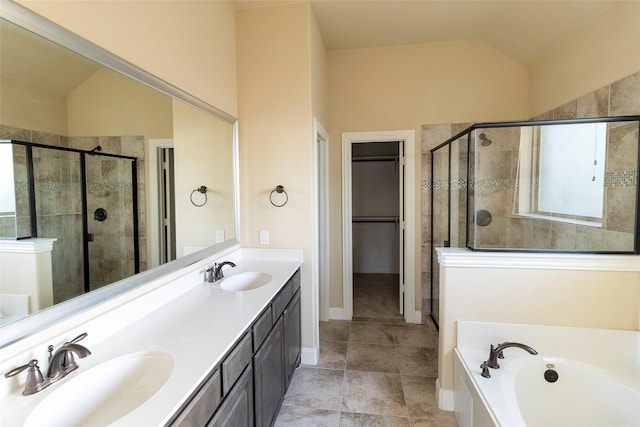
{"x":392,"y":219}
{"x":375,"y":159}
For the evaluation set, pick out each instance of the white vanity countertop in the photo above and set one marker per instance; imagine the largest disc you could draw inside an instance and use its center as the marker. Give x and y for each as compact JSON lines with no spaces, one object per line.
{"x":196,"y":328}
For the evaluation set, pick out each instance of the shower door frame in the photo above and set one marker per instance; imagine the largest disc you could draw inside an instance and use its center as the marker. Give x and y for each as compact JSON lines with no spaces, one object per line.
{"x":83,"y":189}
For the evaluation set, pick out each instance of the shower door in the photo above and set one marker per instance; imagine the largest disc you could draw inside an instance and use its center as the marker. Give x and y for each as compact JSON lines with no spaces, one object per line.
{"x":58,"y":214}
{"x":111,"y":226}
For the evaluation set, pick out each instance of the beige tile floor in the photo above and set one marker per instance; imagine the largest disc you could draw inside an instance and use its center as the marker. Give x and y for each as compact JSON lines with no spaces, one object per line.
{"x":373,"y":371}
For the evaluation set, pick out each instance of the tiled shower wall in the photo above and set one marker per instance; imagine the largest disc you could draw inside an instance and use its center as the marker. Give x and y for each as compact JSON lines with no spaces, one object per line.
{"x":59,"y":206}
{"x":498,"y":171}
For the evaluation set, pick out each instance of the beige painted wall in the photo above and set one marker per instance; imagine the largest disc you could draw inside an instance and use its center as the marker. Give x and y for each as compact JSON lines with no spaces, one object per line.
{"x":405,"y":87}
{"x":319,"y":87}
{"x":203,"y":156}
{"x":190,"y":44}
{"x":108,"y":103}
{"x":32,"y":108}
{"x":275,"y":105}
{"x":579,"y":298}
{"x":606,"y":51}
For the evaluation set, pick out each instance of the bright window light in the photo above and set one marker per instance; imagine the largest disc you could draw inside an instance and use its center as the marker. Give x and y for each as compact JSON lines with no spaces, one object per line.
{"x":571,"y":170}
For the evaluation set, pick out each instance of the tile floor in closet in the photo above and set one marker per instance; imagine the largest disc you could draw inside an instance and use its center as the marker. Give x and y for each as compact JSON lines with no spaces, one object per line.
{"x":373,"y":371}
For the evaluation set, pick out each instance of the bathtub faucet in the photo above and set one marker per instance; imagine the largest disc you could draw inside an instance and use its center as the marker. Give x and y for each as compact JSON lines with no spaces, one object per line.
{"x":495,"y":353}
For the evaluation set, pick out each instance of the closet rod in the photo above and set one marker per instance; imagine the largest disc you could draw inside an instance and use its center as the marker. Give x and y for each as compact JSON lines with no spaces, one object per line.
{"x":389,"y":219}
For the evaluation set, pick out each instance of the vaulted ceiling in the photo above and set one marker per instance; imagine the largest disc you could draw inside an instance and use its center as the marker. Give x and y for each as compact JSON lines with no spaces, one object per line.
{"x":521,"y":29}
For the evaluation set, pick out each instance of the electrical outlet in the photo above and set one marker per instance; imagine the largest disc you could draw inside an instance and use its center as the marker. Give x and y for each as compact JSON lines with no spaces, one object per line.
{"x":219,"y":236}
{"x":264,"y":237}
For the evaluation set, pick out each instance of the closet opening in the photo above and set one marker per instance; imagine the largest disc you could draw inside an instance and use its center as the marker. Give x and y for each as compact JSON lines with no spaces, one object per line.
{"x":377,"y":196}
{"x":404,"y":140}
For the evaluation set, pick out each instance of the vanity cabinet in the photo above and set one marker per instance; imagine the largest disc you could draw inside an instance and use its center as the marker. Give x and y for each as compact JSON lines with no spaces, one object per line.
{"x":278,"y":357}
{"x":198,"y":410}
{"x":248,"y":386}
{"x":292,"y":338}
{"x":237,"y":409}
{"x":269,"y":376}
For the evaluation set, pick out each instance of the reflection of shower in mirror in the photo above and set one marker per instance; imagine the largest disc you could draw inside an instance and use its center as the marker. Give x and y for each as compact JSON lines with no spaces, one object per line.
{"x":485,"y":141}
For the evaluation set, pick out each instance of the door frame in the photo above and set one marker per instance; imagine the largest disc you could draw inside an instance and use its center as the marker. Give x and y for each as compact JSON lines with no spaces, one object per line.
{"x":153,"y":251}
{"x":408,"y":223}
{"x":321,"y":217}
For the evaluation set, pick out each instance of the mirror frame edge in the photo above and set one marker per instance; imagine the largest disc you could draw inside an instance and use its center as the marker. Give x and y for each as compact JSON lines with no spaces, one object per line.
{"x":36,"y":322}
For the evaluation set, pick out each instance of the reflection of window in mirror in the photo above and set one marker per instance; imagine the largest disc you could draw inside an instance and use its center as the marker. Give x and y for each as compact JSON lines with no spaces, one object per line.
{"x":7,"y":192}
{"x":562,"y":172}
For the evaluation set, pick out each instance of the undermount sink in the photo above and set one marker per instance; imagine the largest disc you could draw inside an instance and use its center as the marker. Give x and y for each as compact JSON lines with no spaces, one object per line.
{"x":245,"y":281}
{"x":104,"y":393}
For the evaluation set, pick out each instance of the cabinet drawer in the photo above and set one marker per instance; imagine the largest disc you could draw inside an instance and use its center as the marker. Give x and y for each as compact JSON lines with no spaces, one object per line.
{"x":261,"y":328}
{"x":281,"y":300}
{"x":295,"y":282}
{"x":199,"y":409}
{"x":235,"y":362}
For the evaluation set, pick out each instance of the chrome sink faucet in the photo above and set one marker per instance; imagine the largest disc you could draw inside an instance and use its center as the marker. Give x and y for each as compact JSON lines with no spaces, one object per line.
{"x":61,"y":363}
{"x":495,"y":353}
{"x":217,"y":270}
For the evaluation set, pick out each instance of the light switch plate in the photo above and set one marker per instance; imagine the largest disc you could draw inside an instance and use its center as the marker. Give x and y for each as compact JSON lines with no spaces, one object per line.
{"x":264,"y":237}
{"x":219,"y":235}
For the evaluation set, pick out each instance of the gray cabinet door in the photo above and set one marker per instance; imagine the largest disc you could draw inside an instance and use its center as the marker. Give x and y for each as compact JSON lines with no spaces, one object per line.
{"x":237,"y":408}
{"x":292,"y":338}
{"x":199,"y":410}
{"x":268,"y":365}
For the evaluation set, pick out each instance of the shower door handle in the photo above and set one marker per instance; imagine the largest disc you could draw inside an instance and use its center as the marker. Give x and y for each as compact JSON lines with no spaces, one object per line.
{"x":89,"y":237}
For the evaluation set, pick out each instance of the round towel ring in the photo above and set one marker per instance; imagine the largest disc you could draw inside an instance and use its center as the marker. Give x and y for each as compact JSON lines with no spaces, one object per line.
{"x":202,"y":190}
{"x":279,"y":189}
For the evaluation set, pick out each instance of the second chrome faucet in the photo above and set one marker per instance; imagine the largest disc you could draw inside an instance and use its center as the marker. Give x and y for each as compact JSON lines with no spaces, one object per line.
{"x":215,"y":272}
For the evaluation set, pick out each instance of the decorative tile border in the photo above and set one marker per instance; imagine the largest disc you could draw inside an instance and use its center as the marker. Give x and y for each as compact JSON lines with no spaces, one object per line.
{"x":114,"y":187}
{"x":621,"y":179}
{"x":611,"y":179}
{"x":461,"y":184}
{"x":53,"y":187}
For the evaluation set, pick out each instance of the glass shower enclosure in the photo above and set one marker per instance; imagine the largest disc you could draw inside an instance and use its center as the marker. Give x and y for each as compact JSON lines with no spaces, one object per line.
{"x":537,"y":186}
{"x":86,"y":200}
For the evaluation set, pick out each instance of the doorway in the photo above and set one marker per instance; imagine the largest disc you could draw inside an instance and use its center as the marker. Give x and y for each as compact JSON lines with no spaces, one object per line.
{"x":396,"y":226}
{"x":321,"y":217}
{"x":377,"y":201}
{"x":161,"y":202}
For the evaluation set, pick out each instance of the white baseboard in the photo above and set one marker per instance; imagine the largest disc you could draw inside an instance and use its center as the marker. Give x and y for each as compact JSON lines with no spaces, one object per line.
{"x":309,"y":356}
{"x":444,"y":397}
{"x":336,"y":313}
{"x":417,"y":317}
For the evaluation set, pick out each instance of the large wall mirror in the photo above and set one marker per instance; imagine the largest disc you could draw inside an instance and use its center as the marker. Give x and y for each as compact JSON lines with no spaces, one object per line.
{"x":133,"y":177}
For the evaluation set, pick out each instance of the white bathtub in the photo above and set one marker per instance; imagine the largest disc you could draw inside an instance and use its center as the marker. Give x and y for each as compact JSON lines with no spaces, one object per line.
{"x":598,"y":381}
